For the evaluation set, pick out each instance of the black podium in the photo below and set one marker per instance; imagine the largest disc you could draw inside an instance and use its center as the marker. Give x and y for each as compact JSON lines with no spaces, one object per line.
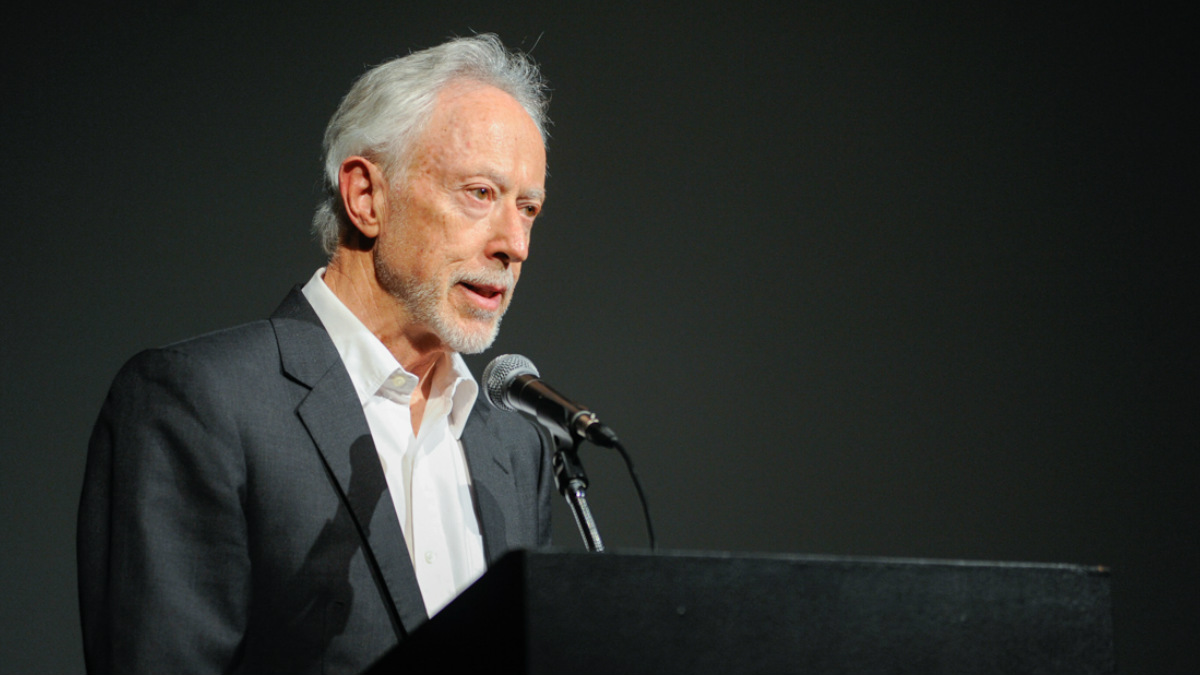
{"x":618,"y":614}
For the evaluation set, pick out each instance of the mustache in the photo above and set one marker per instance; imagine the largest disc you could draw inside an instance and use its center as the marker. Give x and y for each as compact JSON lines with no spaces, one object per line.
{"x":486,"y":277}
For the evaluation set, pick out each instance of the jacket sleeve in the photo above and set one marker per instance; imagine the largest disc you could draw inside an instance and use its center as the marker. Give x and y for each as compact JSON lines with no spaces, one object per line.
{"x":161,"y":543}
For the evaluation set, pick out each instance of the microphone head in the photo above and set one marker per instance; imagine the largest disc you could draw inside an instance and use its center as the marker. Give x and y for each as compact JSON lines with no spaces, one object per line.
{"x":499,"y":375}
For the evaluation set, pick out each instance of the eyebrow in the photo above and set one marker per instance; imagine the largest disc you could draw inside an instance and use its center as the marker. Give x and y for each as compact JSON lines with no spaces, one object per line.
{"x":535,"y":193}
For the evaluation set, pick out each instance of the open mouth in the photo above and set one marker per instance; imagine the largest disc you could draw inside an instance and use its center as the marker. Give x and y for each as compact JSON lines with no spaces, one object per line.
{"x":486,"y":296}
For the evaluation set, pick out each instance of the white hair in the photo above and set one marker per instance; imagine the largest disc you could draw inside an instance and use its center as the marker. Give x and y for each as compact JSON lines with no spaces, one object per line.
{"x":384,"y":113}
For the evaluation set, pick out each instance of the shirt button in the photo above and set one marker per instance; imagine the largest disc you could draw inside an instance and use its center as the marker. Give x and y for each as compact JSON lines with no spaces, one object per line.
{"x":429,"y":557}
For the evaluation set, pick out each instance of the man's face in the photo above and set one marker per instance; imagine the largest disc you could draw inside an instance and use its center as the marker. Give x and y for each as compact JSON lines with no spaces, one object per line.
{"x":459,"y":220}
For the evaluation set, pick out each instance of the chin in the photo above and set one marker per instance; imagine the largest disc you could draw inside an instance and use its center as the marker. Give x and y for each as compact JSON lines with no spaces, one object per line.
{"x":470,"y":336}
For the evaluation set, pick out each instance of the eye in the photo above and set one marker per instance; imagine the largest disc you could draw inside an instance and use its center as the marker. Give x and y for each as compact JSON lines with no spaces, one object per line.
{"x":532,"y":210}
{"x":481,"y":193}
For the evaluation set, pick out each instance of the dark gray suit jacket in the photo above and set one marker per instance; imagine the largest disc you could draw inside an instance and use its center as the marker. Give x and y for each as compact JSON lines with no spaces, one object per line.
{"x":235,"y":517}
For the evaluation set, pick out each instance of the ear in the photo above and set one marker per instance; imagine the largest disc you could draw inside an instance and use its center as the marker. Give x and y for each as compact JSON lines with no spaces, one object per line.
{"x":364,"y":194}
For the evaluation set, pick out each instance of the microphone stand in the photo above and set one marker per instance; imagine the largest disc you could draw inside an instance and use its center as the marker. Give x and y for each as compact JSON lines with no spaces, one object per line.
{"x":572,"y":484}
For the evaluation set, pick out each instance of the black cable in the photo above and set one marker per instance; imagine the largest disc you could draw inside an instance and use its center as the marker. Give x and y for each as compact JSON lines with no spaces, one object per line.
{"x":641,"y":494}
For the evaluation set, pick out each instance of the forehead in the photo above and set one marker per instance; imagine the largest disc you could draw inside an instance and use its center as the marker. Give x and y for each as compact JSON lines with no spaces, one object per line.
{"x":461,"y":98}
{"x":474,"y":123}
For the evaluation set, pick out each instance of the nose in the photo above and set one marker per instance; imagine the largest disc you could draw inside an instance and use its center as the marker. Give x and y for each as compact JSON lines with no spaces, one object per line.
{"x":510,"y":235}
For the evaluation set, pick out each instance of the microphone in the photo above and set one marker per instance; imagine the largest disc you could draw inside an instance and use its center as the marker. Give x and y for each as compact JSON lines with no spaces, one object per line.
{"x":514,"y":384}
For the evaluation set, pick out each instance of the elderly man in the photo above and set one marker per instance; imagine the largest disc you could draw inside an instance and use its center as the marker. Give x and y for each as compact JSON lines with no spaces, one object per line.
{"x":297,"y":494}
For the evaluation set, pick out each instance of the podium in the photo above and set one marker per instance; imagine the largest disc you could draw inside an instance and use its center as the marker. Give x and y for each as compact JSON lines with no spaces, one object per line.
{"x":628,"y":613}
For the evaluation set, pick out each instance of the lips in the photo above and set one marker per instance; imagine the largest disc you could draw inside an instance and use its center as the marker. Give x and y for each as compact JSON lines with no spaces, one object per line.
{"x":486,"y":296}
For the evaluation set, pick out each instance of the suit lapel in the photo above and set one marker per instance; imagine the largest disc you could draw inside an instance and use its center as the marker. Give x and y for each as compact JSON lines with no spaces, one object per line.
{"x":491,"y":478}
{"x":334,"y":419}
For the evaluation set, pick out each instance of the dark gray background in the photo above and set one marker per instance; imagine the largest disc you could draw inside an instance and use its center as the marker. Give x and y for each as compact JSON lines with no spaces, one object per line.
{"x":848,"y":279}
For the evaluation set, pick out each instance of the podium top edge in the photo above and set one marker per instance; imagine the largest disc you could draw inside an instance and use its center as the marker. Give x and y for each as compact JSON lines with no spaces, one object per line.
{"x":828,"y":558}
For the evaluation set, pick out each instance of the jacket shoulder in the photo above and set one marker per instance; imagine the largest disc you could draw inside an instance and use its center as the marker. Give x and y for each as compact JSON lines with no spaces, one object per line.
{"x":225,"y":373}
{"x":249,"y":342}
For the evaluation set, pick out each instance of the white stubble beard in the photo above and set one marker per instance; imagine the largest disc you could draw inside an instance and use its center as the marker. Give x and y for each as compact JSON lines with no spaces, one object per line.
{"x":428,"y":303}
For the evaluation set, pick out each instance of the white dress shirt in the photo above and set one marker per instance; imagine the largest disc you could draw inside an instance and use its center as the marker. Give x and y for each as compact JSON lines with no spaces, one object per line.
{"x":427,"y":472}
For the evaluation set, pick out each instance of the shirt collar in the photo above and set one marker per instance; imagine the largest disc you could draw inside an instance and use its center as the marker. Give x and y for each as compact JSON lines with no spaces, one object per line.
{"x":463,"y":390}
{"x":372,"y":368}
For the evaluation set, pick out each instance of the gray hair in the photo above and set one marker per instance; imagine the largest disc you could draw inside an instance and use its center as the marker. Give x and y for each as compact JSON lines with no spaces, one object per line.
{"x":386,"y":110}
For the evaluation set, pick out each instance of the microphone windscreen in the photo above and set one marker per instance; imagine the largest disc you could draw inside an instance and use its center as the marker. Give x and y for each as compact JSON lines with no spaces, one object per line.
{"x":500,"y":373}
